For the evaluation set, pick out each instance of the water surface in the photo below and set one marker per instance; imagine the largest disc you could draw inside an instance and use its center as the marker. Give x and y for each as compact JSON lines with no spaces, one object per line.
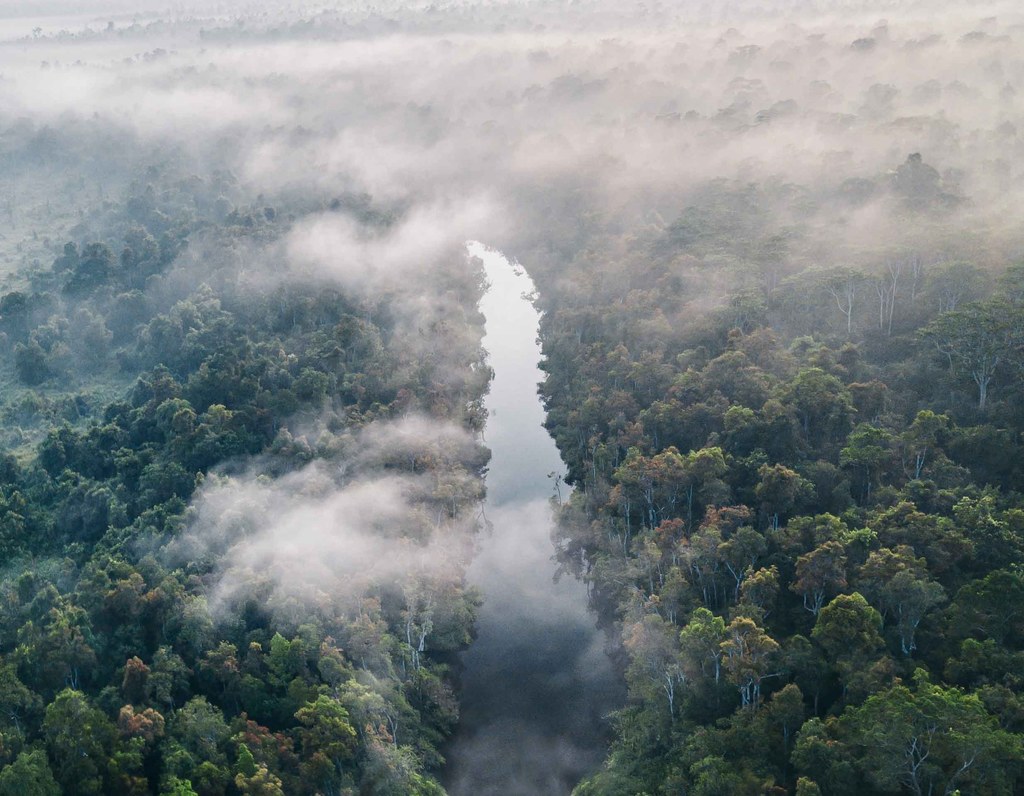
{"x":536,"y":683}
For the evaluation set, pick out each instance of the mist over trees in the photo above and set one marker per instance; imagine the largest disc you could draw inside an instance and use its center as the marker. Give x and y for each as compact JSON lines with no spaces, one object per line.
{"x":778,"y":255}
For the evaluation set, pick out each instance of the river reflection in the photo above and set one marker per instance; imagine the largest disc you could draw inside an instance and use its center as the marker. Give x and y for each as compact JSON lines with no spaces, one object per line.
{"x":536,"y":683}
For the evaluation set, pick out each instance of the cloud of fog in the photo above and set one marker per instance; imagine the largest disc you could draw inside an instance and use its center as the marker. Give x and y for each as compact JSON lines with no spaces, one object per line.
{"x":539,"y":108}
{"x":387,"y":515}
{"x":371,"y":261}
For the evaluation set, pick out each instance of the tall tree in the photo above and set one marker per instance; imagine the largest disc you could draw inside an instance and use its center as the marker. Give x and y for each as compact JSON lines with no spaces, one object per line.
{"x":749,"y":656}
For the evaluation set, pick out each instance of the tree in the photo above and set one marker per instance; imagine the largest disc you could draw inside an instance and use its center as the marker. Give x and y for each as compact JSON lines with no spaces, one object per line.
{"x":58,"y":652}
{"x":921,"y":439}
{"x":147,"y":724}
{"x":201,"y":730}
{"x":822,"y":403}
{"x":660,"y":482}
{"x":221,"y":665}
{"x":833,"y":764}
{"x":740,"y":552}
{"x":90,"y":338}
{"x":635,"y":478}
{"x":327,"y":738}
{"x":918,"y":183}
{"x":867,"y":449}
{"x":15,"y":313}
{"x":932,"y":740}
{"x":255,"y":779}
{"x":749,"y":654}
{"x":760,"y":589}
{"x":898,"y":583}
{"x":92,"y":270}
{"x":134,"y":684}
{"x":29,"y":775}
{"x":819,"y":573}
{"x":713,"y":775}
{"x":177,"y":787}
{"x":886,"y":287}
{"x":848,"y":630}
{"x":807,"y":787}
{"x":703,"y":470}
{"x":806,"y":665}
{"x":78,"y":738}
{"x":786,"y":712}
{"x":975,"y":340}
{"x":168,"y":681}
{"x":843,"y":285}
{"x":779,"y":490}
{"x":391,"y":771}
{"x":19,"y":706}
{"x":954,"y":284}
{"x":942,"y":542}
{"x":655,"y":663}
{"x":990,"y":608}
{"x":701,"y":644}
{"x":700,"y":555}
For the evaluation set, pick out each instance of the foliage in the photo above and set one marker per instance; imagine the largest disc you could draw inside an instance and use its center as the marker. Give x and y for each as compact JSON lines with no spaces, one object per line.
{"x":814,"y":487}
{"x":116,"y":674}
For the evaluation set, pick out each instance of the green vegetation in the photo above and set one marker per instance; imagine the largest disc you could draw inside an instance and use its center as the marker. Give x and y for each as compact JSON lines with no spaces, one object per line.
{"x":777,"y":248}
{"x":121,"y":673}
{"x":800,"y":509}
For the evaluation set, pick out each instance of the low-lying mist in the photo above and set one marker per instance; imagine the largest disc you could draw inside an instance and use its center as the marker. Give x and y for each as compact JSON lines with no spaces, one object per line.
{"x":322,"y":538}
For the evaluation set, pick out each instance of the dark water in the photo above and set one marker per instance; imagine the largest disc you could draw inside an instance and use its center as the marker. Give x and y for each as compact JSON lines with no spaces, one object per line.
{"x":536,"y":684}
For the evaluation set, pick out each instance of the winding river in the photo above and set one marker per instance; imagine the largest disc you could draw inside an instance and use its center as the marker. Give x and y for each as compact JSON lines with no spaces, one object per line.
{"x":536,"y":683}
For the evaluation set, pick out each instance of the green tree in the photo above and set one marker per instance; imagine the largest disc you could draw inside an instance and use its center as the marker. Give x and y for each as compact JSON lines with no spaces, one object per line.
{"x":932,"y":739}
{"x":29,"y":775}
{"x":820,"y":573}
{"x":655,"y":669}
{"x":899,"y":584}
{"x":992,"y":608}
{"x":79,"y":738}
{"x":749,"y":656}
{"x":975,"y":341}
{"x":822,"y":404}
{"x":848,"y":630}
{"x":779,"y":490}
{"x":866,"y":452}
{"x":391,"y":770}
{"x":177,"y":787}
{"x":202,"y":731}
{"x":920,"y":441}
{"x":760,"y":590}
{"x":255,"y":779}
{"x":715,"y":776}
{"x":701,"y":644}
{"x":328,"y":740}
{"x":807,"y":787}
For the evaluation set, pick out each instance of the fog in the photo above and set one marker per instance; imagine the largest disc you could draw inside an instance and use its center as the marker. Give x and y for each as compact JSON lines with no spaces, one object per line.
{"x":324,"y":536}
{"x":555,"y":132}
{"x":626,"y":117}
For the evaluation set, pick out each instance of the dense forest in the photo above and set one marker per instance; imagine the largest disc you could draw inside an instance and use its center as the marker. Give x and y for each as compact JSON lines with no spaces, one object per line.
{"x":800,"y":510}
{"x":142,"y":651}
{"x":778,"y":259}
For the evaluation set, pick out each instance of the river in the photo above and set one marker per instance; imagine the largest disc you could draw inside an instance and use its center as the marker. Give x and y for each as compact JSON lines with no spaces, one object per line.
{"x":536,"y":684}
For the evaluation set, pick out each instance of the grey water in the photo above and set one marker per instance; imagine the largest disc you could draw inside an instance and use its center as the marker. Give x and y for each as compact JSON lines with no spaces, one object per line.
{"x":536,"y":684}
